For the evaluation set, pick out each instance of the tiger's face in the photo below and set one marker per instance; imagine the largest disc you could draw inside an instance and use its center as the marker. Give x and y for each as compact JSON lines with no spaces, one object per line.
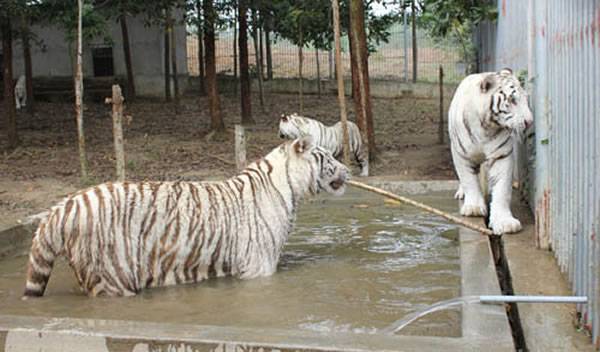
{"x":327,"y":173}
{"x":509,"y":105}
{"x":290,"y":126}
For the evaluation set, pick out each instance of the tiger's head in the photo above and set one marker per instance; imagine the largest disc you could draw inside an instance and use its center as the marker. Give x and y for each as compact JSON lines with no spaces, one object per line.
{"x":508,"y":104}
{"x":326,"y":172}
{"x":291,"y":126}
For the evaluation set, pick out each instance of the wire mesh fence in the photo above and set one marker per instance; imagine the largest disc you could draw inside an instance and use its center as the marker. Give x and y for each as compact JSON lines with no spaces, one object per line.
{"x":389,"y":61}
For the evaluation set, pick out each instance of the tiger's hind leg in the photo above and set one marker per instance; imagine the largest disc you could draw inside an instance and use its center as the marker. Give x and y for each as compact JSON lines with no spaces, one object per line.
{"x":362,"y":158}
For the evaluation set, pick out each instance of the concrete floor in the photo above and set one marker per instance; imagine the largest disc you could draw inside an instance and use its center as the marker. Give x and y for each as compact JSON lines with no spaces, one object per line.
{"x":548,"y":327}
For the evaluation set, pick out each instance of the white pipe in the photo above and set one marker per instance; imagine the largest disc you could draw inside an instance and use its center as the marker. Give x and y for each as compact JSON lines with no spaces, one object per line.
{"x":533,"y":299}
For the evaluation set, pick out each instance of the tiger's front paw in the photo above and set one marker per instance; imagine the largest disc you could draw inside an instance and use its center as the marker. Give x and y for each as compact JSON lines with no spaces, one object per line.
{"x":505,"y":224}
{"x":469,"y":209}
{"x":459,"y":193}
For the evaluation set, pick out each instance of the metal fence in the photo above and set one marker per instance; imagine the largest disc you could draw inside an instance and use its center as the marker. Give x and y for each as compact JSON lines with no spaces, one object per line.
{"x":388,"y":61}
{"x":558,"y":42}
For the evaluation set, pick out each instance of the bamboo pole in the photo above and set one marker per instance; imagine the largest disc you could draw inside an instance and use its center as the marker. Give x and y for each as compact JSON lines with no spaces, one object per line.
{"x":422,"y":206}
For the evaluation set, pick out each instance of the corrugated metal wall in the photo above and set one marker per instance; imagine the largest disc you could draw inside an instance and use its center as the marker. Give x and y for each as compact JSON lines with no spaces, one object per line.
{"x":558,"y":43}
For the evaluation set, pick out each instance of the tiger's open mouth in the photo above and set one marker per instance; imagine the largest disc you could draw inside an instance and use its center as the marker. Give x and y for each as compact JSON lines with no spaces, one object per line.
{"x":337,"y":184}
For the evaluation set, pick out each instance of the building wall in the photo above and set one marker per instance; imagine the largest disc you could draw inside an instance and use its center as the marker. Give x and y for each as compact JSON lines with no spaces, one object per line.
{"x":51,"y":58}
{"x":558,"y":42}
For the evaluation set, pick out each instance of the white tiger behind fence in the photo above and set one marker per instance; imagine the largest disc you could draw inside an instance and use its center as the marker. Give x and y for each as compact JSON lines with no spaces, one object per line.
{"x":488,"y":112}
{"x":329,"y":137}
{"x":122,"y":237}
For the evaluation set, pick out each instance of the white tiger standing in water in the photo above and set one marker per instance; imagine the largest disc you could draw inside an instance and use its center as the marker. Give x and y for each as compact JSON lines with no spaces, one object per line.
{"x":329,"y":137}
{"x":20,"y":93}
{"x":122,"y":237}
{"x":487,"y":112}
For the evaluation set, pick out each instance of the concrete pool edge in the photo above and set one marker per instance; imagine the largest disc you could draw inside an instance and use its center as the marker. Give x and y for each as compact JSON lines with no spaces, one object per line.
{"x":483,"y":326}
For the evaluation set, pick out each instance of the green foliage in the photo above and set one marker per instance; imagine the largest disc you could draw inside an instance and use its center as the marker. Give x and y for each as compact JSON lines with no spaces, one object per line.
{"x":313,"y":17}
{"x":63,"y":13}
{"x":456,"y":19}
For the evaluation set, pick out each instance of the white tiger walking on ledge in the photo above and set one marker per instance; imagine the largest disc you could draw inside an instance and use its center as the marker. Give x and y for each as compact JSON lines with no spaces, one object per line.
{"x":122,"y":237}
{"x":20,"y":93}
{"x":329,"y":137}
{"x":488,"y":110}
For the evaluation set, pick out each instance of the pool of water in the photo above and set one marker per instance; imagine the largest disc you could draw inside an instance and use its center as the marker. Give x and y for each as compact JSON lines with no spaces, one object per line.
{"x":355,"y":263}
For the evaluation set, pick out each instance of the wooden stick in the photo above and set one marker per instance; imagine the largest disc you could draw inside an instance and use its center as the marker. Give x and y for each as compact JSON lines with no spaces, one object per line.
{"x":422,"y":206}
{"x":240,"y":147}
{"x":117,"y":116}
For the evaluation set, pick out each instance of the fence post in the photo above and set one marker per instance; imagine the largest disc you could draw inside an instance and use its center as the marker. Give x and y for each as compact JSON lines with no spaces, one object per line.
{"x":240,"y":147}
{"x":441,"y":123}
{"x":117,"y":117}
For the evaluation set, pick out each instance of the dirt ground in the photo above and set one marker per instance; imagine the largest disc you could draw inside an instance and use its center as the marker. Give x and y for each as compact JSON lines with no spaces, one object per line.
{"x":163,"y":145}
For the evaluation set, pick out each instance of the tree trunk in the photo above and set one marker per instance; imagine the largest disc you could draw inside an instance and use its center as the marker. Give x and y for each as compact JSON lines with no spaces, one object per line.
{"x":28,"y":66}
{"x":353,"y":72}
{"x":359,"y":45}
{"x":340,"y":80}
{"x":127,"y":52}
{"x":318,"y":73}
{"x":167,"y":57}
{"x":257,"y":53}
{"x":79,"y":94}
{"x":244,"y":70}
{"x":268,"y":49}
{"x":261,"y":45}
{"x":173,"y":44}
{"x":216,"y":120}
{"x":300,"y":63}
{"x":414,"y":39}
{"x":201,"y":58}
{"x":235,"y":46}
{"x":9,"y":93}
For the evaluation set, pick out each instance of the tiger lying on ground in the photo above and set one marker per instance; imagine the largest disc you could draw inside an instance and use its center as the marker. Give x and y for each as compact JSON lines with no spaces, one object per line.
{"x":122,"y":237}
{"x":487,"y":112}
{"x":329,"y":137}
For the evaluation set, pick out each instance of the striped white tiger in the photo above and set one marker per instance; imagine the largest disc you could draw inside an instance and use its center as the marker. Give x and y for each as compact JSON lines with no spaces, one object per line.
{"x":122,"y":237}
{"x":329,"y":137}
{"x":488,"y":112}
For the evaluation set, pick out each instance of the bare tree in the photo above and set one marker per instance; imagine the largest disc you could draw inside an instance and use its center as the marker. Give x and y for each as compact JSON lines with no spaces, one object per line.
{"x":25,"y":36}
{"x":340,"y":80}
{"x":216,"y":120}
{"x":130,"y":88}
{"x":201,"y":58}
{"x":246,"y":103}
{"x":167,"y":47}
{"x":9,"y":97}
{"x":79,"y":93}
{"x":257,"y":56}
{"x":414,"y":39}
{"x":173,"y":44}
{"x":359,"y":50}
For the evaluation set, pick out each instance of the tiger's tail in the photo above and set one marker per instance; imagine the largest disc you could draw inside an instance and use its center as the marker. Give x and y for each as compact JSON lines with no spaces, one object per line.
{"x":41,"y":258}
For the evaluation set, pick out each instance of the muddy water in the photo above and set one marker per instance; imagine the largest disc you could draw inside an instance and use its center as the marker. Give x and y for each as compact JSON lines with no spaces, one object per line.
{"x":354,"y":263}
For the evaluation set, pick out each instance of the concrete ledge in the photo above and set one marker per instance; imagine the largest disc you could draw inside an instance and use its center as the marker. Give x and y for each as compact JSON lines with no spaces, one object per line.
{"x":484,"y":327}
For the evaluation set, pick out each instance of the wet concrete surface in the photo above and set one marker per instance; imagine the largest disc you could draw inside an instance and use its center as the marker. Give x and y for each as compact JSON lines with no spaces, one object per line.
{"x":547,"y":327}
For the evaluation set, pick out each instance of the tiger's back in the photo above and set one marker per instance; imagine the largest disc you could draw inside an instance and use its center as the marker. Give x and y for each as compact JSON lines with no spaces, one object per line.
{"x":328,"y":137}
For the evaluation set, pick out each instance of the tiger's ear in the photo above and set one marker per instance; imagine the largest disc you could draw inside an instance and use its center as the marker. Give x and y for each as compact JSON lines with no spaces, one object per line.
{"x":301,"y":145}
{"x":284,"y":118}
{"x":506,"y":71}
{"x":488,"y":83}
